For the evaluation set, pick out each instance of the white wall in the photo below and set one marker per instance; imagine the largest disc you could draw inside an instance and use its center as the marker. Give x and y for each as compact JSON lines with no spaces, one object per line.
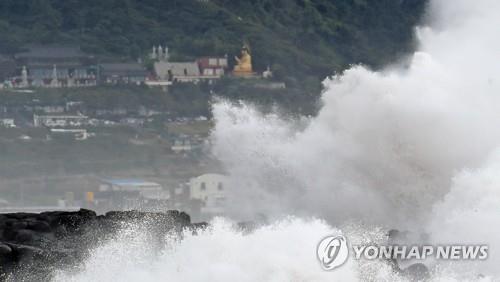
{"x":210,"y":189}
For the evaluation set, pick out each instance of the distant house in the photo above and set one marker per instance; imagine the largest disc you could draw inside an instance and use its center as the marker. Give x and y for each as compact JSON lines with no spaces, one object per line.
{"x":210,"y":189}
{"x":7,"y":122}
{"x":118,"y":111}
{"x":77,"y":134}
{"x":178,"y":72}
{"x":132,"y":121}
{"x":213,"y":66}
{"x":123,"y":73}
{"x":146,"y":189}
{"x":55,"y":66}
{"x":24,"y":137}
{"x":73,"y":106}
{"x":126,"y":194}
{"x":50,"y":109}
{"x":181,"y":145}
{"x":147,"y":112}
{"x":59,"y":120}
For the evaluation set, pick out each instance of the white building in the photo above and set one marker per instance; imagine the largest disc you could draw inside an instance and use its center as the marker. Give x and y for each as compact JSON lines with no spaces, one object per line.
{"x":78,"y":134}
{"x":7,"y":122}
{"x":210,"y":189}
{"x":59,"y":120}
{"x":180,"y":146}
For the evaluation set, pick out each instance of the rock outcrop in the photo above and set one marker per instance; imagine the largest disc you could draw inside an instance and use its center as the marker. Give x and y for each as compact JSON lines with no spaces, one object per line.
{"x":32,"y":245}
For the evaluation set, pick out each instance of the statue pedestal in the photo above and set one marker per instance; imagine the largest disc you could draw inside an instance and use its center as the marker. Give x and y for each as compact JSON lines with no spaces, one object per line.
{"x":245,"y":74}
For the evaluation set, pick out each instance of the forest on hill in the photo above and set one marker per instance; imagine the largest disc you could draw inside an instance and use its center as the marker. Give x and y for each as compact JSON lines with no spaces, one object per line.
{"x":297,"y":38}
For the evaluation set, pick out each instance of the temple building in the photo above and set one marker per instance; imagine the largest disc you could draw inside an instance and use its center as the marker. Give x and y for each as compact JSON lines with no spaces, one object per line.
{"x":213,"y":66}
{"x":123,"y":73}
{"x":54,"y":66}
{"x":178,"y":72}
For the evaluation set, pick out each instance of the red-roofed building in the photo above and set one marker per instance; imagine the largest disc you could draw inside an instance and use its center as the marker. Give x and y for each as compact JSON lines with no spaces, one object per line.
{"x":213,"y":66}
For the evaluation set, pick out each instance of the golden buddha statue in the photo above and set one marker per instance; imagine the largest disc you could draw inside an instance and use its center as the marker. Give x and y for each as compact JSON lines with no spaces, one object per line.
{"x":244,"y":63}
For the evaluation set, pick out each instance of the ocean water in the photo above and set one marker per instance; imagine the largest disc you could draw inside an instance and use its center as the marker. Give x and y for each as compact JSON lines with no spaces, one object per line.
{"x":415,"y":146}
{"x":282,"y":251}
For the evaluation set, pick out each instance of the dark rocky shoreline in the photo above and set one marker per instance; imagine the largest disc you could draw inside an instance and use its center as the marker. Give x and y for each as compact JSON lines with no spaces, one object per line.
{"x":32,"y":244}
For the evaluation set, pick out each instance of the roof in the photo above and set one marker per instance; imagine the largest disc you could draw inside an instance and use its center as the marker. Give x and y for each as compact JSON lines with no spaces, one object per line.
{"x":177,"y":69}
{"x":60,"y":115}
{"x":51,"y":51}
{"x":50,"y":65}
{"x":210,"y":176}
{"x":129,"y":182}
{"x":123,"y":68}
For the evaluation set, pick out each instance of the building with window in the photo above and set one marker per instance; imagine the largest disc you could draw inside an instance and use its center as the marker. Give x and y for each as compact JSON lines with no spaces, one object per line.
{"x":210,"y":189}
{"x":177,"y":72}
{"x":181,"y":146}
{"x":146,"y":189}
{"x":54,"y":66}
{"x":60,"y":120}
{"x":214,"y":67}
{"x":77,"y":134}
{"x":123,"y":73}
{"x":124,"y":193}
{"x":7,"y":122}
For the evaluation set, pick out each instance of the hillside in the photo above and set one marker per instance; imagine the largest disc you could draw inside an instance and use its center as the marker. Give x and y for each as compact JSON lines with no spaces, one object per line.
{"x":296,"y":37}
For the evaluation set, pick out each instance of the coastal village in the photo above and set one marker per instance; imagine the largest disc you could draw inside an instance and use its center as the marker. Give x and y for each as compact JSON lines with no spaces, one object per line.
{"x":56,"y":67}
{"x":201,"y":192}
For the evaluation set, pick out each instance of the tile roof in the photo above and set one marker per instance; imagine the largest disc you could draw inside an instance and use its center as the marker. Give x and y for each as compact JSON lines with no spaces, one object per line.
{"x":123,"y":69}
{"x":50,"y":51}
